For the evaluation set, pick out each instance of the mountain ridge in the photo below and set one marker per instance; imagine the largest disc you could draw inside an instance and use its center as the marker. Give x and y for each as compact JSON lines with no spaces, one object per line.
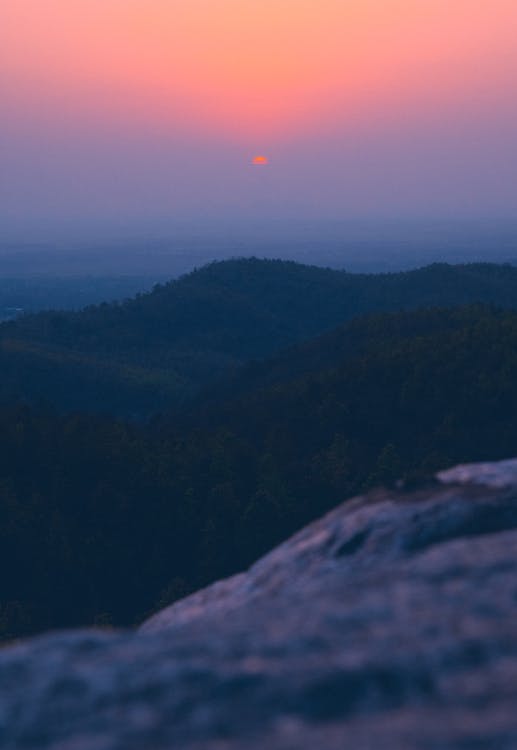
{"x":190,"y":331}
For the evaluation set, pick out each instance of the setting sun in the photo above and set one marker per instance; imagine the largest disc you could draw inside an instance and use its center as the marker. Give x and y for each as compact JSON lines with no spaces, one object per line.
{"x":260,"y":161}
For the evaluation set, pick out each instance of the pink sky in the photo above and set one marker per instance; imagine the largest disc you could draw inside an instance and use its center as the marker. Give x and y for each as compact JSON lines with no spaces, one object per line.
{"x":190,"y":90}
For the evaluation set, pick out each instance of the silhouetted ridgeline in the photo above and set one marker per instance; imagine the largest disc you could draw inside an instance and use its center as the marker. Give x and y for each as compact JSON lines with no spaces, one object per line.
{"x":104,"y":521}
{"x":156,"y":350}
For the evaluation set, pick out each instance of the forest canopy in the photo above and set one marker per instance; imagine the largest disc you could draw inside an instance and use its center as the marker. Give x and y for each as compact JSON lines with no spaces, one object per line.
{"x":103,"y":520}
{"x":157,"y":350}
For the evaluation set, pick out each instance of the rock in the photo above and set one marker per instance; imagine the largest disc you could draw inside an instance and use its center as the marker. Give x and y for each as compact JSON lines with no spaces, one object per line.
{"x":389,"y":623}
{"x":498,"y":475}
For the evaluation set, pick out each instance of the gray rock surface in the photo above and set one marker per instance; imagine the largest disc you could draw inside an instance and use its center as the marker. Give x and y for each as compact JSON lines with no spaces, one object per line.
{"x":389,"y":623}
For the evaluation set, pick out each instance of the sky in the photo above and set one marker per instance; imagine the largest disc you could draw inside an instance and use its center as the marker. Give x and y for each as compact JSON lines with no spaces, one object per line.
{"x":131,"y":113}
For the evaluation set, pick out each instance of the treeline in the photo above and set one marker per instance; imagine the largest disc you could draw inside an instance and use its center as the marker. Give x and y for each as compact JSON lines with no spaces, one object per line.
{"x":137,"y":357}
{"x":104,"y":521}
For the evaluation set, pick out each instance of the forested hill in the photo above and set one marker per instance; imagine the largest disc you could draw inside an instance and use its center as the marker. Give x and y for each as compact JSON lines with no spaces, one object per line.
{"x":138,"y":356}
{"x":249,"y":308}
{"x":102,"y":520}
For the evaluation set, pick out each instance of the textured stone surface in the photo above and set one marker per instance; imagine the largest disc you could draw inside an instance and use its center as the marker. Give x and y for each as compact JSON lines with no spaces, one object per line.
{"x":390,"y":623}
{"x":498,"y":475}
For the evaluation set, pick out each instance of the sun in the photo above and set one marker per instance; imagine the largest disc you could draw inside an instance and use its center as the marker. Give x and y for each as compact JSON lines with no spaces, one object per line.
{"x":260,"y":161}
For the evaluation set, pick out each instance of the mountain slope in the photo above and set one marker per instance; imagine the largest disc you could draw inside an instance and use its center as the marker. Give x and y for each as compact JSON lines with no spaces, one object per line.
{"x":190,"y":331}
{"x":114,"y":519}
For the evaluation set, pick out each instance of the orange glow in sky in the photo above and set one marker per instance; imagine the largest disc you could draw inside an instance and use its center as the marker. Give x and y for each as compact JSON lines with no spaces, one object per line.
{"x":254,"y":68}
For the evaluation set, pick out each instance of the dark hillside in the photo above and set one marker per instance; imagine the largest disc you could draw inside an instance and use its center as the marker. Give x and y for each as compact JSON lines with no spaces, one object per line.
{"x":102,"y":521}
{"x":186,"y":333}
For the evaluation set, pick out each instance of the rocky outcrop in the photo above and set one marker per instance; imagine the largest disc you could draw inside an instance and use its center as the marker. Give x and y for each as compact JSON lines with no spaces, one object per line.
{"x":389,"y":623}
